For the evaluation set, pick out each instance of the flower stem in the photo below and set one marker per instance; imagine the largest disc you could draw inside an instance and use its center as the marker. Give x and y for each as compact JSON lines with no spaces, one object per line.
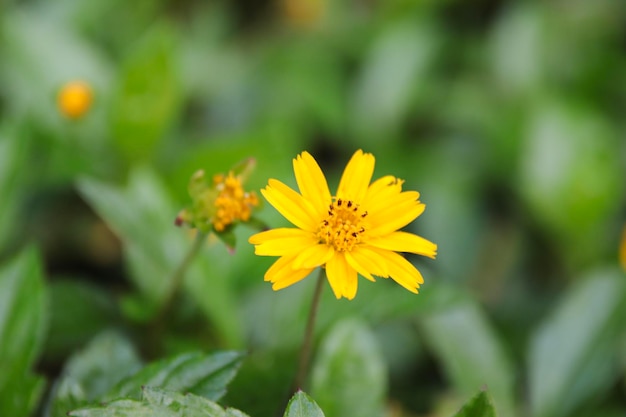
{"x":305,"y":351}
{"x":178,"y":276}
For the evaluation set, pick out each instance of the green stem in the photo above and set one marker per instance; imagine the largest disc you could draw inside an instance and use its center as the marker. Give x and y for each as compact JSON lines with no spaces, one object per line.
{"x":176,"y":281}
{"x":305,"y":351}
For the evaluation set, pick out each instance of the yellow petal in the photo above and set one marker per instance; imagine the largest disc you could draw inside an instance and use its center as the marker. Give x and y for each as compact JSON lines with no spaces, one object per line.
{"x":403,"y":272}
{"x":358,"y":266}
{"x":394,"y":218}
{"x":311,"y":182}
{"x":405,"y":242}
{"x":371,"y":259}
{"x":341,"y":276}
{"x":382,"y":190}
{"x":279,"y":233}
{"x":284,"y":246}
{"x":282,"y":274}
{"x":391,"y":201}
{"x":313,"y":256}
{"x":296,"y":276}
{"x":291,"y":205}
{"x":356,"y":177}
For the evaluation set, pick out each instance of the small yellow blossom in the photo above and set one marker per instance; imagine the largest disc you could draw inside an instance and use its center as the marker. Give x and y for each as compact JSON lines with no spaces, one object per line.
{"x":221,"y":202}
{"x":622,"y":250}
{"x":303,"y":13}
{"x":356,"y":231}
{"x":232,"y":202}
{"x":74,"y":99}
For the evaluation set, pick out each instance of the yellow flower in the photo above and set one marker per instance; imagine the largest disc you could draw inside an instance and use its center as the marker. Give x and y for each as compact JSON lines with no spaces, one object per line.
{"x":233,"y":202}
{"x":74,"y":99}
{"x":355,"y":231}
{"x":622,"y":250}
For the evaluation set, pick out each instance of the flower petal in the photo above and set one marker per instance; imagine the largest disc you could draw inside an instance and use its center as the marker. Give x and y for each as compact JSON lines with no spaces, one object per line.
{"x":372,"y":259}
{"x":284,"y":246}
{"x":356,"y":177}
{"x":313,"y":256}
{"x":403,"y":272}
{"x":341,"y":277}
{"x":291,"y":205}
{"x":296,"y":276}
{"x":405,"y":242}
{"x":312,"y":182}
{"x":394,"y":218}
{"x":358,"y":266}
{"x":382,"y":190}
{"x":278,"y":233}
{"x":282,"y":274}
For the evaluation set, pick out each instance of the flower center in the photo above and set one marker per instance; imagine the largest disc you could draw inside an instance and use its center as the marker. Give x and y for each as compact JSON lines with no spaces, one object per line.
{"x":344,"y":225}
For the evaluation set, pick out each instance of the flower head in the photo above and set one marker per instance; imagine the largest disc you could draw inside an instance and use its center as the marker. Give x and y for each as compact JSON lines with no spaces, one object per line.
{"x":221,"y":202}
{"x":74,"y":99}
{"x":356,"y":231}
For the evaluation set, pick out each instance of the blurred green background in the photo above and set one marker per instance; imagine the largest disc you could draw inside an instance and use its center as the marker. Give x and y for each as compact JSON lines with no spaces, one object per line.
{"x":508,"y":117}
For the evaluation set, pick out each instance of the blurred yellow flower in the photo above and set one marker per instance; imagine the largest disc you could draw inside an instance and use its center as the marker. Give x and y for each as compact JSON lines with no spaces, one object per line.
{"x":221,"y":202}
{"x":74,"y":99}
{"x":303,"y":13}
{"x":622,"y":250}
{"x":355,"y":231}
{"x":233,"y":203}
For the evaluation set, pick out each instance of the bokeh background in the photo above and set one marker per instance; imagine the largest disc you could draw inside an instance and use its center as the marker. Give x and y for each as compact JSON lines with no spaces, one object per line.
{"x":508,"y":117}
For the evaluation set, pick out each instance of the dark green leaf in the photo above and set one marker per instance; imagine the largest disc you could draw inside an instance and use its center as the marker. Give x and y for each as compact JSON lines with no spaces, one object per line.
{"x":479,"y":406}
{"x":572,"y":354}
{"x":201,"y":374}
{"x":79,"y":311}
{"x":464,"y":341}
{"x":349,"y":375}
{"x":22,"y":328}
{"x":301,"y":405}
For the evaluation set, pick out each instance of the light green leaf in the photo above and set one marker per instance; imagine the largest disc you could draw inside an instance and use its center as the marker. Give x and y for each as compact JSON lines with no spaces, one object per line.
{"x":463,"y":340}
{"x":201,"y":374}
{"x":479,"y":406}
{"x":349,"y":376}
{"x":301,"y":405}
{"x":573,"y":353}
{"x":159,"y":403}
{"x":22,"y":328}
{"x":391,"y":74}
{"x":120,"y":408}
{"x":186,"y":404}
{"x":148,"y":97}
{"x":88,"y":374}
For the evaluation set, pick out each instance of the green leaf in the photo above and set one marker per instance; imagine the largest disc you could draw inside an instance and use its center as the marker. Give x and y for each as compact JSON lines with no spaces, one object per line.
{"x":79,"y":311}
{"x":88,"y":374}
{"x":479,"y":406}
{"x":159,"y":403}
{"x":198,"y":373}
{"x":22,"y":329}
{"x":13,"y":148}
{"x":393,"y":71}
{"x":301,"y":405}
{"x":349,"y":375}
{"x":573,"y":353}
{"x":148,"y":97}
{"x":120,"y":408}
{"x":465,"y":343}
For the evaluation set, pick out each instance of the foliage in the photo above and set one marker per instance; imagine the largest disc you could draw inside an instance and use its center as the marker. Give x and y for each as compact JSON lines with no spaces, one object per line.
{"x":507,"y":117}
